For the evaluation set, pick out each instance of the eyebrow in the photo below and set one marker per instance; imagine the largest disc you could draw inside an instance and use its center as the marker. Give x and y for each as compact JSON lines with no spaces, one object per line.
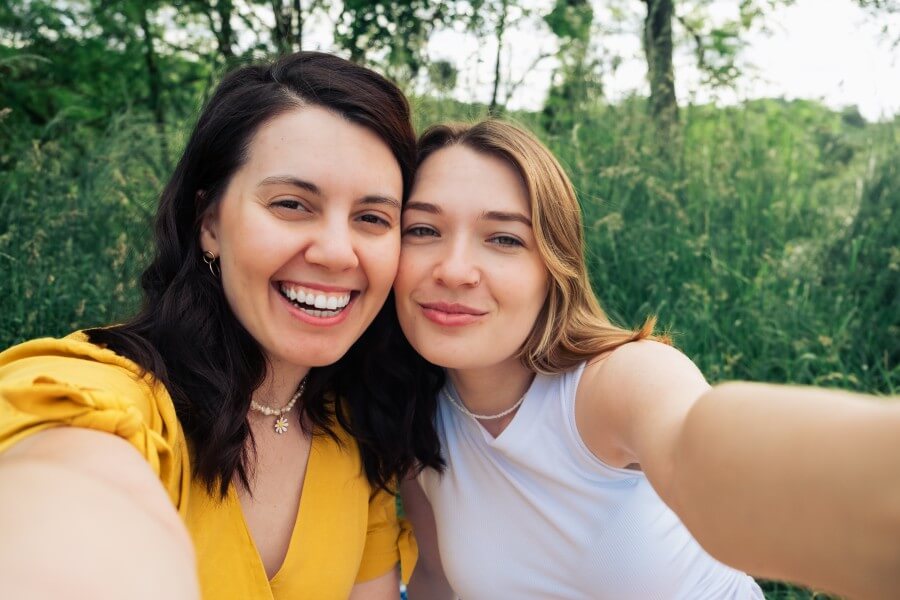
{"x":379,"y":199}
{"x":492,"y":215}
{"x":294,"y":181}
{"x":424,"y":207}
{"x":495,"y":215}
{"x":314,"y":189}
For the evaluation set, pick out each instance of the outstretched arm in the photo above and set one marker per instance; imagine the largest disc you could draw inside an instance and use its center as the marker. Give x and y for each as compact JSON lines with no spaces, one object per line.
{"x":784,"y":482}
{"x":83,"y":515}
{"x":795,"y":483}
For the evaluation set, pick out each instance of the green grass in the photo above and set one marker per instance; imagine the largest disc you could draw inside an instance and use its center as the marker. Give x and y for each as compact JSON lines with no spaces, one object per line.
{"x":769,"y":245}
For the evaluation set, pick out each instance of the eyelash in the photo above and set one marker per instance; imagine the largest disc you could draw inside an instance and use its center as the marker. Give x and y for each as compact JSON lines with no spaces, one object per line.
{"x":420,"y":231}
{"x":291,"y":204}
{"x":504,"y":241}
{"x":378,"y":220}
{"x":508,"y":241}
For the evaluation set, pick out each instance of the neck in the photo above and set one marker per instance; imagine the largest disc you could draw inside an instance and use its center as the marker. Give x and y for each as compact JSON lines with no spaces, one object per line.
{"x":279,"y":385}
{"x":490,"y":390}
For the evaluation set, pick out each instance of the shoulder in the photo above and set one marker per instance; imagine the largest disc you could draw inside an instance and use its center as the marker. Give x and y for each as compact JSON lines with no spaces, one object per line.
{"x":70,"y":384}
{"x":637,"y":366}
{"x":73,"y":358}
{"x":623,"y":392}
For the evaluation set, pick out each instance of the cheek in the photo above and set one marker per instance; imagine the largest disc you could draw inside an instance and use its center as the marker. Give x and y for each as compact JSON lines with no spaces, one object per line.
{"x":381,"y":262}
{"x":411,"y":267}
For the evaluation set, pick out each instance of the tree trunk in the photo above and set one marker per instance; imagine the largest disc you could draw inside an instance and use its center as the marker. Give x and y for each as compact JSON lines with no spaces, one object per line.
{"x":225,"y":35}
{"x":298,"y":31}
{"x":154,"y":81}
{"x":281,"y":33}
{"x":660,"y":73}
{"x":501,"y":29}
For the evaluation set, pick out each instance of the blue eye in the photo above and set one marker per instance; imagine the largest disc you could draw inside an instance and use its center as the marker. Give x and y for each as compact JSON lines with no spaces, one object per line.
{"x":507,"y":241}
{"x":421,"y":231}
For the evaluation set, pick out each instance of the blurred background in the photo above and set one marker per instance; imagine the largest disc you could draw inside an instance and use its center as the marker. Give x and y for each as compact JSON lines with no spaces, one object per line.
{"x":738,"y":162}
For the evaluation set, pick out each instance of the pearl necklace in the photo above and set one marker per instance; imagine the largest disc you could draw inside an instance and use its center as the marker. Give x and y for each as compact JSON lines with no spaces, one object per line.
{"x":281,"y":422}
{"x":461,"y":408}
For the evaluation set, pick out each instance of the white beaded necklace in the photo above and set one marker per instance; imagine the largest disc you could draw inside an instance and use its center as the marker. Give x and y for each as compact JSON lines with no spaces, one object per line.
{"x":281,"y":422}
{"x":461,"y":408}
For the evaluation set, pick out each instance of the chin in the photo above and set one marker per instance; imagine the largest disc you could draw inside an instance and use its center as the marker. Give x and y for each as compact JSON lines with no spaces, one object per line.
{"x":448,"y":358}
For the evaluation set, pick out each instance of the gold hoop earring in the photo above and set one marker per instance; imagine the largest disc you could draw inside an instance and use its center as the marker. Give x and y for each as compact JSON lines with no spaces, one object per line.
{"x":212,"y":261}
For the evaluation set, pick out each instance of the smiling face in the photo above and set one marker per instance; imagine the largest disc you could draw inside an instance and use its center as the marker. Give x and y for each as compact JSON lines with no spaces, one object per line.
{"x":471,"y":281}
{"x":308,"y":235}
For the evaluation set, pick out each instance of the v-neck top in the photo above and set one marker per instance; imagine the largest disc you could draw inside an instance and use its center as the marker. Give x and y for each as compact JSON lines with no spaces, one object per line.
{"x":345,"y":532}
{"x":533,"y":514}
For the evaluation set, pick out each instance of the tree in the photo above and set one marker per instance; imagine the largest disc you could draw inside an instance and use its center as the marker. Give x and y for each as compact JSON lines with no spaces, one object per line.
{"x":393,"y":33}
{"x":574,"y":81}
{"x":658,"y":47}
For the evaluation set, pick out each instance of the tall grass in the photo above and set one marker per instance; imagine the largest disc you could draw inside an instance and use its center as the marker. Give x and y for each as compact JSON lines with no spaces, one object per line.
{"x":769,"y":245}
{"x":768,"y":242}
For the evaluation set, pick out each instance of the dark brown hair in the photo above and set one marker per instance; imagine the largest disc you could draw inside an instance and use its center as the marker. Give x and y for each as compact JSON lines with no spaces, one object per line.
{"x":186,"y":334}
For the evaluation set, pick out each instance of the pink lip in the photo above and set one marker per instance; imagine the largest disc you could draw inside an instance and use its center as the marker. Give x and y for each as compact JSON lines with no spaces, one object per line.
{"x":447,"y":314}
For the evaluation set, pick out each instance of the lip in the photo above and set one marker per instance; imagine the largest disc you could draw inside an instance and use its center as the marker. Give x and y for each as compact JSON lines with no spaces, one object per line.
{"x":318,"y":286}
{"x":300,"y":315}
{"x":451,"y":314}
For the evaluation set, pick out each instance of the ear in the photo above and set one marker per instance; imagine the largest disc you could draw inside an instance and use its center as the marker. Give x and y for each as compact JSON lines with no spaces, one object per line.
{"x":209,"y":227}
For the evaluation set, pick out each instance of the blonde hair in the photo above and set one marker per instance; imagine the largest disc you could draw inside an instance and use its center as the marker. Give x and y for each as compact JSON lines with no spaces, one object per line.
{"x":571,"y":327}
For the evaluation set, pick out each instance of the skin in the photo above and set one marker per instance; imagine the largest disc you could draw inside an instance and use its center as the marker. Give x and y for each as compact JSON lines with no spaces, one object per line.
{"x":713,"y":455}
{"x":460,"y":249}
{"x":292,"y":213}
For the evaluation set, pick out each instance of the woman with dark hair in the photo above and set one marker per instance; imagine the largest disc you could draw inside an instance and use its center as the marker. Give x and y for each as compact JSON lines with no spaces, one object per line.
{"x":588,"y":461}
{"x":255,"y":384}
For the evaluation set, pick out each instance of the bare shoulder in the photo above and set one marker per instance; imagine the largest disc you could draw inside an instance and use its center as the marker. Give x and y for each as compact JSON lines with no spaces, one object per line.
{"x":629,"y":391}
{"x":639,"y":367}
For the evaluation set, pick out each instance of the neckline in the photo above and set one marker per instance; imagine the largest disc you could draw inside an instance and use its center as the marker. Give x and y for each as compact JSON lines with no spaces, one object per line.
{"x":520,"y":421}
{"x":300,"y":519}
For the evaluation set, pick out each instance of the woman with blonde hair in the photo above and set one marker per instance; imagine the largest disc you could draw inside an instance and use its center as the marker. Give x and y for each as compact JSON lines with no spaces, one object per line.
{"x":584,"y":460}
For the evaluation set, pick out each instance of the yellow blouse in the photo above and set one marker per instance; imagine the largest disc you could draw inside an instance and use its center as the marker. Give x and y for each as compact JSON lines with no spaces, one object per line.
{"x":344,"y":533}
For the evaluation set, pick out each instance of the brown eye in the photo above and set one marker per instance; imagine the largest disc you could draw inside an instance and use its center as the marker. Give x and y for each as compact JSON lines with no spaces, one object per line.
{"x":374,"y":220}
{"x":289,"y":203}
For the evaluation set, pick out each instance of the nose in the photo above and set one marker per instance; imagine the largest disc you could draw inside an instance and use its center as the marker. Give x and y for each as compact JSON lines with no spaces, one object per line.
{"x":457,"y":268}
{"x":332,"y":246}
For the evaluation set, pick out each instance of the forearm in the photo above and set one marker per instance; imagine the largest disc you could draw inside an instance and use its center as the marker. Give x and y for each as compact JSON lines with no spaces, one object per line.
{"x":95,"y":539}
{"x":794,"y":483}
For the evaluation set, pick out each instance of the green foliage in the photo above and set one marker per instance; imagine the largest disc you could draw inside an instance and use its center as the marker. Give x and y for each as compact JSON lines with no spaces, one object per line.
{"x":767,"y":241}
{"x":390,"y":32}
{"x":732,"y":245}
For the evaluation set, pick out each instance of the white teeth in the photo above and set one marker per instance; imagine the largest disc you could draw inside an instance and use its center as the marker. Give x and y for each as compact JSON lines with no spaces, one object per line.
{"x":330,"y":304}
{"x":320,"y":313}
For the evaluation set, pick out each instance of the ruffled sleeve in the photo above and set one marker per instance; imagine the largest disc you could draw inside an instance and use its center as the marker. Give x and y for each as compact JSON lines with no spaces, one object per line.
{"x":386,"y":541}
{"x":49,"y":383}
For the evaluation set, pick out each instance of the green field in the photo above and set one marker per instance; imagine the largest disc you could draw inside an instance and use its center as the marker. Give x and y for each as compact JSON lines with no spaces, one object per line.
{"x":769,"y":246}
{"x":766,"y":237}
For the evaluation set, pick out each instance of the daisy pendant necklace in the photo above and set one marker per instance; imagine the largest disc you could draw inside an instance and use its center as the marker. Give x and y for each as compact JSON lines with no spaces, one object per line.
{"x":281,"y":421}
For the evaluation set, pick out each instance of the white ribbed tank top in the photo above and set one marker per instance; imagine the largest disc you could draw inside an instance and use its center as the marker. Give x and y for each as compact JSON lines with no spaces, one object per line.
{"x":534,"y":515}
